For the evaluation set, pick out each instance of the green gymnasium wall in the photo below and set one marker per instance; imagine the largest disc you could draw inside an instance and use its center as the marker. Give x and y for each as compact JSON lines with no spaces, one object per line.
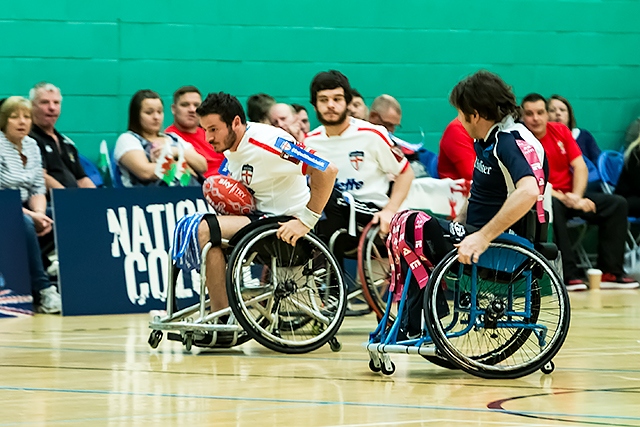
{"x":100,"y":53}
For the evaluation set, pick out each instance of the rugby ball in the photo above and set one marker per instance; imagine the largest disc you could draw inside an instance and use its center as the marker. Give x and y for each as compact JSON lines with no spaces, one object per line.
{"x":228,"y":196}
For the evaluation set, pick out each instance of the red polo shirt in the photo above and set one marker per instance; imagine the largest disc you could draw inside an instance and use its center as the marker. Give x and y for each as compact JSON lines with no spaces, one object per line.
{"x":457,"y":155}
{"x":200,"y":144}
{"x":561,"y":149}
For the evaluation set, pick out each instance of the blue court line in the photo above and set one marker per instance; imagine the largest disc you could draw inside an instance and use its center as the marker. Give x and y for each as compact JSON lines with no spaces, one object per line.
{"x":319,"y":402}
{"x":147,"y":416}
{"x":230,"y":353}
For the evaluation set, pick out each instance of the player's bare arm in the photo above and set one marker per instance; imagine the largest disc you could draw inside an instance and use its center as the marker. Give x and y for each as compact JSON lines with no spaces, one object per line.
{"x":398,"y":194}
{"x":321,"y":186}
{"x":515,"y":207}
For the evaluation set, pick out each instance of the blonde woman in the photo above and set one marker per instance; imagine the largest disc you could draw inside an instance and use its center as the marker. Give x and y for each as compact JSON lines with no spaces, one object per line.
{"x":629,"y":182}
{"x":138,"y":150}
{"x":21,"y":169}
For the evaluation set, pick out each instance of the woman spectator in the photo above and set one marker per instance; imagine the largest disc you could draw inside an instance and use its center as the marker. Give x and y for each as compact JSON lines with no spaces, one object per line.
{"x":629,"y":181}
{"x":560,"y":110}
{"x":138,"y":150}
{"x":21,"y":169}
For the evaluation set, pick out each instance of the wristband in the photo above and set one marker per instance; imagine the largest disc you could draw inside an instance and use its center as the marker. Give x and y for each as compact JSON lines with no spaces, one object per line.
{"x":309,"y":218}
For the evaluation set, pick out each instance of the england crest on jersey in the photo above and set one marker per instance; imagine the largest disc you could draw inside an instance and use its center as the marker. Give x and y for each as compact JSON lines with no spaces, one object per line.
{"x":356,"y":157}
{"x":247,"y":174}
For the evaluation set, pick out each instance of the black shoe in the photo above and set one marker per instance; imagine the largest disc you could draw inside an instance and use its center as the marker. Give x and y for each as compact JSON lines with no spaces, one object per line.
{"x":353,"y":313}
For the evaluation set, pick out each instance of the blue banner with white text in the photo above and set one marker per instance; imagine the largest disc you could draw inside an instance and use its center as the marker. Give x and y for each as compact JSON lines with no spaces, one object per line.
{"x":113,"y":246}
{"x":15,"y":285}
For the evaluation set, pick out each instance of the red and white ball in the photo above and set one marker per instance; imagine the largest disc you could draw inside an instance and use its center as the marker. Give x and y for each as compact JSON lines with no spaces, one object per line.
{"x":228,"y":196}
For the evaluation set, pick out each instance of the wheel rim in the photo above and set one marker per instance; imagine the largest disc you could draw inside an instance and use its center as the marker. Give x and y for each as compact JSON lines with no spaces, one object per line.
{"x":300,"y":298}
{"x":374,"y":270}
{"x":499,"y":341}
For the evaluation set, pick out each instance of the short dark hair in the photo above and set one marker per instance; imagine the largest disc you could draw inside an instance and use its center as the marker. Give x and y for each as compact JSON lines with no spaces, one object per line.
{"x":356,"y":94}
{"x":225,"y":105}
{"x":184,"y":89}
{"x":487,"y":94}
{"x":534,"y":97}
{"x":258,"y":106}
{"x":298,"y":107}
{"x":136,"y":105}
{"x":572,"y":118}
{"x":331,"y":79}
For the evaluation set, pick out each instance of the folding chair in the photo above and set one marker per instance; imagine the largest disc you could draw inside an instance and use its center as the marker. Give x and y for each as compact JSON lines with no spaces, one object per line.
{"x":610,"y":164}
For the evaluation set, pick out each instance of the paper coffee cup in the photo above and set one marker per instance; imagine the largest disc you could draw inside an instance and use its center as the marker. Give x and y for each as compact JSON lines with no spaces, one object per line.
{"x":595,"y":276}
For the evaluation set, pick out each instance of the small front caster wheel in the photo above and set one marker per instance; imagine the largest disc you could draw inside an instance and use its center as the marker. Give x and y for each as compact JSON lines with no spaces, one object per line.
{"x":335,"y":345}
{"x":548,"y":367}
{"x":188,"y":341}
{"x":388,"y":370}
{"x":373,"y":367}
{"x":154,"y":338}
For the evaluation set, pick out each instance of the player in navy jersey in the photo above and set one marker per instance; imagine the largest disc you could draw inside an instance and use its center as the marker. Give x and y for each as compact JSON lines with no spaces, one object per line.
{"x":509,"y":179}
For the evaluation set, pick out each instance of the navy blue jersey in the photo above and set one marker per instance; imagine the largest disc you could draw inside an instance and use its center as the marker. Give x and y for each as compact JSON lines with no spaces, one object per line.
{"x":491,"y":186}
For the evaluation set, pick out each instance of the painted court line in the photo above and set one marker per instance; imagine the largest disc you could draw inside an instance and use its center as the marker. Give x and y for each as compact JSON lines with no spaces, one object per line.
{"x":321,"y":403}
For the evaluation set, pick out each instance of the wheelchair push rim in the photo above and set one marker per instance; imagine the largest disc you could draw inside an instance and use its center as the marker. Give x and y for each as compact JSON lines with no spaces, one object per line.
{"x":300,"y":300}
{"x":509,"y":324}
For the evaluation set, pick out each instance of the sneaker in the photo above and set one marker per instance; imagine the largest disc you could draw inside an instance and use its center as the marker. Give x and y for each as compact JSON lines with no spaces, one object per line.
{"x":574,"y":285}
{"x":50,"y":301}
{"x":611,"y":281}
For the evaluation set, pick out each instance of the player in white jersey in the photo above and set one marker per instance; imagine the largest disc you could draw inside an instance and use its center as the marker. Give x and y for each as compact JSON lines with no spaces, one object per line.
{"x":366,"y":158}
{"x":268,"y":161}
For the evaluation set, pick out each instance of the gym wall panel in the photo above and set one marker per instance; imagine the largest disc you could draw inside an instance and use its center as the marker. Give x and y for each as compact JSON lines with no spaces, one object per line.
{"x":100,"y":54}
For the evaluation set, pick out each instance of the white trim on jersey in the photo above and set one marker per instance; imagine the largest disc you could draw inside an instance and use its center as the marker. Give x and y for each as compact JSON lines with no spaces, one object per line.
{"x":277,"y":182}
{"x":365,"y":157}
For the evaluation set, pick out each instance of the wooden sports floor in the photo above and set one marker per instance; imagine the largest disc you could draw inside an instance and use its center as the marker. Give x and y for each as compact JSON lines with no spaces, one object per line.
{"x":99,"y":371}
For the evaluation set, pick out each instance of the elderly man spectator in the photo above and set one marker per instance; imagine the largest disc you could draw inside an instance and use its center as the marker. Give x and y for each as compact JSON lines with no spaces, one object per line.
{"x":60,"y":160}
{"x":386,"y":111}
{"x":186,"y":125}
{"x":303,"y":117}
{"x":283,"y":116}
{"x":258,"y":107}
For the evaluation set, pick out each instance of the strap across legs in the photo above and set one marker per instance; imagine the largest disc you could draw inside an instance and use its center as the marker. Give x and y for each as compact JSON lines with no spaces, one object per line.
{"x":397,"y":247}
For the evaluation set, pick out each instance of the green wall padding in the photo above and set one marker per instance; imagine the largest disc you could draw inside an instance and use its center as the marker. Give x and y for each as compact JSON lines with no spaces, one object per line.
{"x":100,"y":53}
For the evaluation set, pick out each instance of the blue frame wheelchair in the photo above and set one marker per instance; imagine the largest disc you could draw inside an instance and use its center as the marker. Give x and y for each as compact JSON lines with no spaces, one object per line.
{"x":289,"y":299}
{"x":503,"y":317}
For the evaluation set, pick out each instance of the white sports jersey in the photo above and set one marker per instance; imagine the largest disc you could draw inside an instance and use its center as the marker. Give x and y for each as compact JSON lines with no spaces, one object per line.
{"x":364,"y":157}
{"x":278,"y":182}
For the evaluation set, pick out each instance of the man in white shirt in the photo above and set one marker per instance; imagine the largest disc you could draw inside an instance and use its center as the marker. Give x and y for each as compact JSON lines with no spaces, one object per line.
{"x":364,"y":156}
{"x":273,"y":167}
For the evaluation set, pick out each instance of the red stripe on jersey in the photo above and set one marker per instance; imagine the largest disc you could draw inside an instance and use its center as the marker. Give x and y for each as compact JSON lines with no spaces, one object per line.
{"x":406,"y":165}
{"x":304,"y":165}
{"x":264,"y":146}
{"x":380,"y":134}
{"x":312,"y":134}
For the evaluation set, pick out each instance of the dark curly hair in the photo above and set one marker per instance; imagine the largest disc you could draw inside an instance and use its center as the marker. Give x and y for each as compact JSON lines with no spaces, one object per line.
{"x":487,"y":94}
{"x":225,"y":105}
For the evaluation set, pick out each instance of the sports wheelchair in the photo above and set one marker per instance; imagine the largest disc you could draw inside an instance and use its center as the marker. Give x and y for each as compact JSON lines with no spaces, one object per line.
{"x":505,"y":316}
{"x":289,"y":299}
{"x":371,"y":279}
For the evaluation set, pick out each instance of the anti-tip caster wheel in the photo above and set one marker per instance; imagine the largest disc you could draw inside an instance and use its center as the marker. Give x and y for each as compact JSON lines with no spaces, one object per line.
{"x":373,"y":367}
{"x":335,"y":345}
{"x":188,"y":341}
{"x":388,"y":370}
{"x":154,"y":338}
{"x":548,"y":367}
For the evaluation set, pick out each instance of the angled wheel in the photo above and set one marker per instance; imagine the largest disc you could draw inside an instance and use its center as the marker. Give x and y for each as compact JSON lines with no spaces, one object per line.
{"x":505,"y":317}
{"x":374,"y":270}
{"x":295,"y":299}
